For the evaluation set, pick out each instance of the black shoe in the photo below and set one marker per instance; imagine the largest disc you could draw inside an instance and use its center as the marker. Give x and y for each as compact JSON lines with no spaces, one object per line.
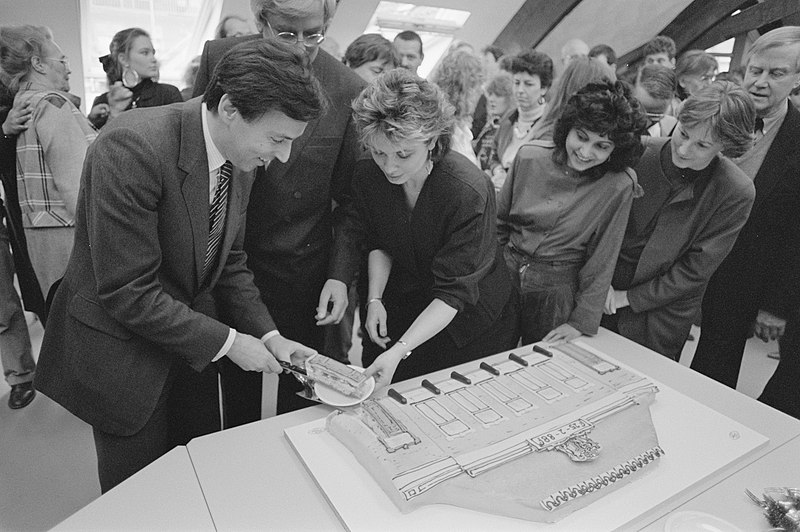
{"x":21,"y":395}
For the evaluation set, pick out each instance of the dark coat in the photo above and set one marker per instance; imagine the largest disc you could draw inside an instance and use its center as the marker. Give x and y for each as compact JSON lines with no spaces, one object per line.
{"x":693,"y":233}
{"x":125,"y":311}
{"x":291,"y":228}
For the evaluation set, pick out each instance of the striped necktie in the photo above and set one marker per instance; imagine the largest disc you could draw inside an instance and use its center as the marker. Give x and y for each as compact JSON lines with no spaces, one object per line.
{"x":216,"y":217}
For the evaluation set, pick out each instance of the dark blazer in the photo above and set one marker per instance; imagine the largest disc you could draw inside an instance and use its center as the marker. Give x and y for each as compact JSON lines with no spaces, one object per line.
{"x":32,"y":296}
{"x":147,"y":93}
{"x":123,"y":314}
{"x":291,"y":227}
{"x":693,"y":233}
{"x":767,"y":252}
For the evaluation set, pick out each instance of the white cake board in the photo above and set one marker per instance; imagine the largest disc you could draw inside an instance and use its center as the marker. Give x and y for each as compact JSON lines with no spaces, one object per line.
{"x":698,"y":442}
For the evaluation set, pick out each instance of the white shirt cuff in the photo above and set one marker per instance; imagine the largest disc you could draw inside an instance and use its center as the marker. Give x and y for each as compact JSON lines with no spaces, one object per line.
{"x":226,"y":346}
{"x":269,"y":335}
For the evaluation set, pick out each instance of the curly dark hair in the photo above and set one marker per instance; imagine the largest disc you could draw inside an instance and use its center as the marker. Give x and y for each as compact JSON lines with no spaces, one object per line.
{"x":604,"y":108}
{"x":534,"y":63}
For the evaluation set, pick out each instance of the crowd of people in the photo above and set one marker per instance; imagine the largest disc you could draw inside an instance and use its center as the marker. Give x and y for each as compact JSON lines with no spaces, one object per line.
{"x":182,"y":245}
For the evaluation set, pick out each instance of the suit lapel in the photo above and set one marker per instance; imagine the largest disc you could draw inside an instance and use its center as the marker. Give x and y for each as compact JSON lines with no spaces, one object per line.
{"x":775,"y":166}
{"x":193,"y":161}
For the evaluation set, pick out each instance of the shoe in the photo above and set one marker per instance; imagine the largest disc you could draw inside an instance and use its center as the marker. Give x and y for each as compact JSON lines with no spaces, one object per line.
{"x":21,"y":395}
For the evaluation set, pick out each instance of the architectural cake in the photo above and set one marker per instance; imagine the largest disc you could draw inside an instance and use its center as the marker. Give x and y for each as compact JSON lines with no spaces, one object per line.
{"x":532,"y":433}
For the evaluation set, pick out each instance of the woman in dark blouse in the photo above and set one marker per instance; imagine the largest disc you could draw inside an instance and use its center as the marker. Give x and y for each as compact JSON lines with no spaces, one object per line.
{"x":437,"y":282}
{"x":131,"y":68}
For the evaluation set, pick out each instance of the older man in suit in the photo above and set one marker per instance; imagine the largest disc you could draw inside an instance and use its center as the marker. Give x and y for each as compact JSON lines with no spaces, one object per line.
{"x":159,"y":227}
{"x":302,"y":251}
{"x":752,"y":284}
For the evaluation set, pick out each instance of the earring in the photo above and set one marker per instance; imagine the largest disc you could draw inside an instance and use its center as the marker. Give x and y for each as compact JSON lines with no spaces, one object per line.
{"x":429,"y":162}
{"x":541,"y":100}
{"x":130,"y":78}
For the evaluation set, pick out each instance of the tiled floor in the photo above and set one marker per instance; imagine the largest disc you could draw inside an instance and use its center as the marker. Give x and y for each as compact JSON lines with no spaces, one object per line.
{"x":47,"y":461}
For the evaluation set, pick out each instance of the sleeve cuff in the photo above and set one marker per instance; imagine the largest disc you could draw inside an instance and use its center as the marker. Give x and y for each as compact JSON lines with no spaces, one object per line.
{"x":270,"y":335}
{"x":226,"y":346}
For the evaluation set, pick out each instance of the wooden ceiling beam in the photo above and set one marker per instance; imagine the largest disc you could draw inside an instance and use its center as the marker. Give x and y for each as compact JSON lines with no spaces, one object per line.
{"x":695,"y":20}
{"x":534,"y":20}
{"x":766,"y":12}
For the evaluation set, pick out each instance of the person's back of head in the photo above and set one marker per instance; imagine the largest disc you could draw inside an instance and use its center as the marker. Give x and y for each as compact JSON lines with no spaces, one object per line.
{"x":658,"y":81}
{"x":660,"y":50}
{"x":604,"y":52}
{"x":370,"y":47}
{"x":264,"y":75}
{"x":573,"y":49}
{"x":232,"y":26}
{"x":459,"y":76}
{"x":579,"y":73}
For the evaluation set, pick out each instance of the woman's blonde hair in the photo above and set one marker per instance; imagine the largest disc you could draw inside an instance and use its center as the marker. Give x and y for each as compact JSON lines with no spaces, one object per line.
{"x":459,"y":76}
{"x":401,"y":106}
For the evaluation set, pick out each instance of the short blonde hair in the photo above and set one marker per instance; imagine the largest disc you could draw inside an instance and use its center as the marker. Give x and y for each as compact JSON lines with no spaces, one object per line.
{"x":262,"y":9}
{"x":402,"y":106}
{"x":729,"y":113}
{"x":785,"y":36}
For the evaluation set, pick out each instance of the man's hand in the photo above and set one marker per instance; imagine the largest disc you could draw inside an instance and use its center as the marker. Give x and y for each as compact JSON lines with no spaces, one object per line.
{"x":288,"y":350}
{"x":334,"y":292}
{"x":768,"y":326}
{"x":19,"y":117}
{"x":250,"y":354}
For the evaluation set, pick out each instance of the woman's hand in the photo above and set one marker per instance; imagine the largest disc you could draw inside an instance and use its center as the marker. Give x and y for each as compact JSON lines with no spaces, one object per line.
{"x":376,"y":323}
{"x":384,"y":366}
{"x":562,"y":333}
{"x":19,"y":117}
{"x":615,"y":300}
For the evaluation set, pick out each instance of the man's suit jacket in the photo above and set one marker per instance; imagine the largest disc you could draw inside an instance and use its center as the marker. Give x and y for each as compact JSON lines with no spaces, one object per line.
{"x":123,"y":314}
{"x":767,"y":252}
{"x":291,"y":227}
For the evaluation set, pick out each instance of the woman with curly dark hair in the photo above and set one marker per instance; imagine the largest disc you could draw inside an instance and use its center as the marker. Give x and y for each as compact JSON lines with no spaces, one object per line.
{"x":563,"y":209}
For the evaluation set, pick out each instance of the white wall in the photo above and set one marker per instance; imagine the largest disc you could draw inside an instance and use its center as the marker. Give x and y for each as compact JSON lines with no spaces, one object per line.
{"x":63,"y":18}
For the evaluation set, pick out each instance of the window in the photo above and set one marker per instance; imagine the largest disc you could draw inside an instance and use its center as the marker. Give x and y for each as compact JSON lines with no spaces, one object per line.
{"x":723,"y":53}
{"x":435,"y":25}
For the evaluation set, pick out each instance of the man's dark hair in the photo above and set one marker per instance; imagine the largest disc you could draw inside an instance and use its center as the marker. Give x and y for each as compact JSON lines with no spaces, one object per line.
{"x":409,"y":35}
{"x":660,"y":44}
{"x":606,"y":50}
{"x":264,"y":75}
{"x":658,"y":81}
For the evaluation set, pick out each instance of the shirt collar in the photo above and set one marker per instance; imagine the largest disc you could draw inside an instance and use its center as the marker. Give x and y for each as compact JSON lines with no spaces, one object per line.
{"x":215,"y":158}
{"x":777,"y":118}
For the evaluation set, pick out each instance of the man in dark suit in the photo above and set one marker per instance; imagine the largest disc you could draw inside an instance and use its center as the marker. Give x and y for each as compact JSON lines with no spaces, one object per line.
{"x":302,"y":251}
{"x":159,"y":227}
{"x":751,"y":284}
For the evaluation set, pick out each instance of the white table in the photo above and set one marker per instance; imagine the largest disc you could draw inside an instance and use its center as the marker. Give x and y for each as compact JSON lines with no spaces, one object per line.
{"x":163,"y":496}
{"x":252,"y":478}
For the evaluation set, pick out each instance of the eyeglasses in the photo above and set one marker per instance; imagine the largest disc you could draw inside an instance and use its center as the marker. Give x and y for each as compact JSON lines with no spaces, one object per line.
{"x":63,"y":61}
{"x":290,"y":37}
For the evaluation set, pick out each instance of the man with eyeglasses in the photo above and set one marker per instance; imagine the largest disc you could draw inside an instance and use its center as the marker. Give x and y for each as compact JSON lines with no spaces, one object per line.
{"x":302,"y":250}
